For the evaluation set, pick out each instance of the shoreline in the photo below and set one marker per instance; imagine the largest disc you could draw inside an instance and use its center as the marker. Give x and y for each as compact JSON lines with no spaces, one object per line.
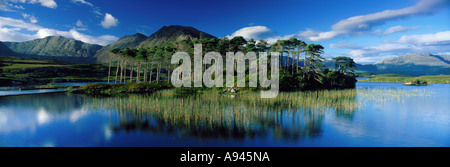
{"x":33,"y":93}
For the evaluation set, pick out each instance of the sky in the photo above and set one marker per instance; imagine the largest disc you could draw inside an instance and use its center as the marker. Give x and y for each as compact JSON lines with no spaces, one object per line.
{"x":366,"y":31}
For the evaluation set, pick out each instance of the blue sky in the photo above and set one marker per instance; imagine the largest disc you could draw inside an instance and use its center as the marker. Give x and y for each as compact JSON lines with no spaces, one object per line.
{"x":367,"y":31}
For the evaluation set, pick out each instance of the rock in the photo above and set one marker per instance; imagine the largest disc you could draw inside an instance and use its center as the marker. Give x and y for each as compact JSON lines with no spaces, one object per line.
{"x":233,"y":90}
{"x":230,"y":90}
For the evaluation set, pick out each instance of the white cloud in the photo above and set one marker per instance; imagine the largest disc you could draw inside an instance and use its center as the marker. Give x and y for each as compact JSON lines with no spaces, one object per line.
{"x":30,"y":17}
{"x":83,"y":2}
{"x":5,"y":6}
{"x":13,"y":30}
{"x":101,"y":40}
{"x":395,"y":29}
{"x":45,"y":32}
{"x":364,"y":23}
{"x":427,"y":39}
{"x":344,"y":45}
{"x":274,"y":39}
{"x":97,"y":12}
{"x":8,"y":34}
{"x":47,"y":3}
{"x":6,"y":21}
{"x":255,"y":32}
{"x":79,"y":23}
{"x":361,"y":24}
{"x":109,"y":21}
{"x":432,"y":43}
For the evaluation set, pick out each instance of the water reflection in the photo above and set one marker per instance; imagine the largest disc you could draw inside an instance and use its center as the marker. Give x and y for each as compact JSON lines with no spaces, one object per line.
{"x":217,"y":116}
{"x":376,"y":114}
{"x":53,"y":103}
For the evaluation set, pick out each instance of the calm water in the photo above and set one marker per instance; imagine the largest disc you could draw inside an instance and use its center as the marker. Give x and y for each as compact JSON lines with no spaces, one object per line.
{"x":382,"y":114}
{"x":25,"y":92}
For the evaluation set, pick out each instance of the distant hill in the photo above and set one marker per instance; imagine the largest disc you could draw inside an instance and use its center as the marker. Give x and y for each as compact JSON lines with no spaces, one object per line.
{"x":415,"y":64}
{"x":173,"y":33}
{"x":56,"y":47}
{"x":130,"y":41}
{"x":417,"y":59}
{"x":5,"y":51}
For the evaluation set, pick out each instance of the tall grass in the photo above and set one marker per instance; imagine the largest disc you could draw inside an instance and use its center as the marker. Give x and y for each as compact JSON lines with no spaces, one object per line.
{"x":293,"y":114}
{"x":402,"y":79}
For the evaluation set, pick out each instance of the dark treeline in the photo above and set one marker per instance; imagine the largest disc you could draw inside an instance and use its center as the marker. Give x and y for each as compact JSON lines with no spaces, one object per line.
{"x":301,"y":65}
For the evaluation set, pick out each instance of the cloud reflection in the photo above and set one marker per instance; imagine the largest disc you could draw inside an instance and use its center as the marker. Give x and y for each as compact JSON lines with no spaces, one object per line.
{"x":43,"y":116}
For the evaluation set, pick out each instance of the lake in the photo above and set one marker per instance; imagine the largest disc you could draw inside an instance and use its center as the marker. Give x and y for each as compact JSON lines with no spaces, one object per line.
{"x":375,"y":114}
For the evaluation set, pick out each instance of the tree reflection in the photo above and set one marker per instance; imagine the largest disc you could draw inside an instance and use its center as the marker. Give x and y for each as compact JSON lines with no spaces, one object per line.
{"x":218,"y":116}
{"x":51,"y":102}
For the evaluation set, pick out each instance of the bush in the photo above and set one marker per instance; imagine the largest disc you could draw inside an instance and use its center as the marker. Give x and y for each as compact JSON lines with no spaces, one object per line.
{"x":419,"y":82}
{"x":312,"y":80}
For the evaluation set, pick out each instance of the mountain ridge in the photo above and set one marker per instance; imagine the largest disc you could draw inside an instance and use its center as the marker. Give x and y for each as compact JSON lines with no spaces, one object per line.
{"x":6,"y":51}
{"x":56,"y":47}
{"x":426,"y":59}
{"x":415,"y":64}
{"x":174,"y":33}
{"x":130,"y":41}
{"x":61,"y":48}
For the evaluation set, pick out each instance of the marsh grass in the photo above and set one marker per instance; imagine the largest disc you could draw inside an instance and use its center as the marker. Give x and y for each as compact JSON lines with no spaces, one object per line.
{"x":403,"y":78}
{"x":290,"y":114}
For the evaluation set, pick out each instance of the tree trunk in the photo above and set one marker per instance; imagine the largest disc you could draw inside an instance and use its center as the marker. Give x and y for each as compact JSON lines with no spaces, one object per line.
{"x":298,"y":59}
{"x":131,"y":71}
{"x":304,"y":61}
{"x":125,"y":70}
{"x":146,"y":71}
{"x":121,"y":70}
{"x":151,"y":73}
{"x":293,"y":63}
{"x":139,"y":72}
{"x":286,"y":62}
{"x":138,"y":75}
{"x":117,"y":69}
{"x":157,"y":72}
{"x":281,"y":60}
{"x":109,"y":69}
{"x":168,"y":73}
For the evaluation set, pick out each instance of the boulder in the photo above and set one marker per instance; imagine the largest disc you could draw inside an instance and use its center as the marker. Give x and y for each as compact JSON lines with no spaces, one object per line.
{"x":230,"y":90}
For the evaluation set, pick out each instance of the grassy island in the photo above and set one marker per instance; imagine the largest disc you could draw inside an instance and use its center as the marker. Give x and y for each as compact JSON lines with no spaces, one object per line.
{"x":409,"y":79}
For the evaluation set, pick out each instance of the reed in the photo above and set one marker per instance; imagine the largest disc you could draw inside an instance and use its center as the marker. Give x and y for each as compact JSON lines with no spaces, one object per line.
{"x":291,"y":114}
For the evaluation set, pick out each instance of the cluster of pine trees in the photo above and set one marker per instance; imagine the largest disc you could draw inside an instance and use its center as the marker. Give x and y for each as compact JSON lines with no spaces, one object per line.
{"x":301,"y":63}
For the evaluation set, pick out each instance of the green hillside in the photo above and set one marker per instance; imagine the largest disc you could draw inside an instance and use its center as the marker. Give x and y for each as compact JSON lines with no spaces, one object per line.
{"x":130,"y":41}
{"x":56,"y":47}
{"x":16,"y":70}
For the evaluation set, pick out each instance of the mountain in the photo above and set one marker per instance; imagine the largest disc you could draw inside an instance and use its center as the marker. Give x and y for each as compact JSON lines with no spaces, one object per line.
{"x":173,"y":33}
{"x":56,"y":47}
{"x":165,"y":35}
{"x":5,"y":51}
{"x":130,"y":41}
{"x":415,"y":64}
{"x":414,"y":59}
